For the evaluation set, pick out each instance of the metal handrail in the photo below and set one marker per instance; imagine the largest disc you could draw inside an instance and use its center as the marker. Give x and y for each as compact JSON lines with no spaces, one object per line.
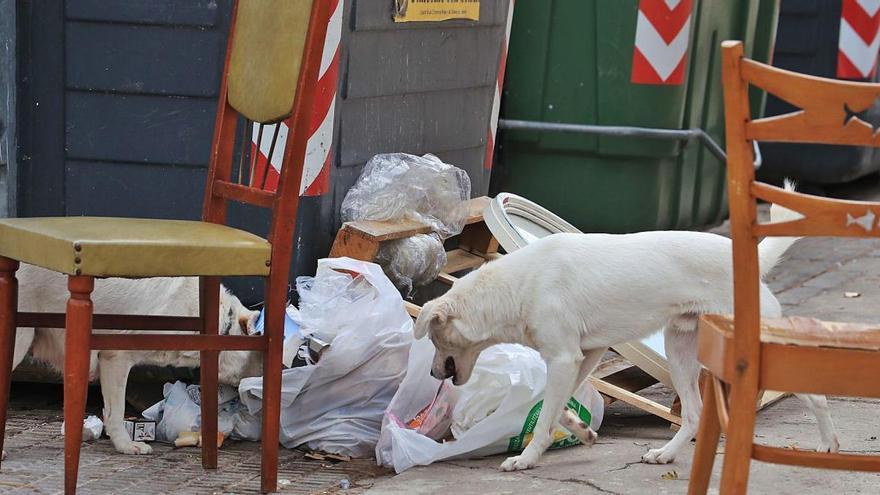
{"x":627,"y":131}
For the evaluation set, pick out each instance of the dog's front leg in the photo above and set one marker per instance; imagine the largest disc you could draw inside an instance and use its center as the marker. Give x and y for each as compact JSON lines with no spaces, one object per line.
{"x":561,"y":375}
{"x":113,"y":369}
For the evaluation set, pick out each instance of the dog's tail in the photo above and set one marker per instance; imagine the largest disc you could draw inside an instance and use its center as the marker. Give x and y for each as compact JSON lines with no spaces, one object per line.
{"x":771,"y":249}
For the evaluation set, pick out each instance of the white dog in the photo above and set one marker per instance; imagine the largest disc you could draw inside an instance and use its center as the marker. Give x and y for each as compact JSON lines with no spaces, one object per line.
{"x":42,"y":290}
{"x":571,"y":296}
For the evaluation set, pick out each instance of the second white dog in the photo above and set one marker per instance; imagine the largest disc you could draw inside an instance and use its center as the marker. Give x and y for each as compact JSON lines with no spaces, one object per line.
{"x":46,"y":291}
{"x":571,"y":296}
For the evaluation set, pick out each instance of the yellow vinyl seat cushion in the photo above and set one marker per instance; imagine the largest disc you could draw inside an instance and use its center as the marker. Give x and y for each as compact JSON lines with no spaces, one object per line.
{"x":133,"y":247}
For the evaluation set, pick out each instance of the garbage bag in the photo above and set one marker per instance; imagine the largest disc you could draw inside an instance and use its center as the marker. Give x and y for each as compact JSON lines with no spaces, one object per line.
{"x":422,"y":188}
{"x":336,"y":405}
{"x":493,"y":413}
{"x":412,"y":261}
{"x":180,"y":410}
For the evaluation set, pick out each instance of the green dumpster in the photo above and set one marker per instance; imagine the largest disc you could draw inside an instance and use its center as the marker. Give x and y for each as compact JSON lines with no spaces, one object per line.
{"x":571,"y":61}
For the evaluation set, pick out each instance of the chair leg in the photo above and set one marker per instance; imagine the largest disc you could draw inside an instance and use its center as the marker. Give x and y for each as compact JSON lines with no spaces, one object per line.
{"x":707,"y":442}
{"x":77,"y":354}
{"x":739,"y":439}
{"x":272,"y":391}
{"x":8,"y":309}
{"x":209,"y":298}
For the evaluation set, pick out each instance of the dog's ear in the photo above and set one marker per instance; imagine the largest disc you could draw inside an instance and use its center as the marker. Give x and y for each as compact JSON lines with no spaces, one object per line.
{"x":435,"y":314}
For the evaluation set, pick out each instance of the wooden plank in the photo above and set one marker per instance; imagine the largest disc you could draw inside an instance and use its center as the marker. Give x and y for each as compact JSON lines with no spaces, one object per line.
{"x":376,"y":230}
{"x":645,"y":358}
{"x":770,"y":397}
{"x":351,"y":243}
{"x":459,"y":259}
{"x":478,"y":239}
{"x":446,"y":278}
{"x":476,"y":207}
{"x":635,"y":400}
{"x":631,"y":378}
{"x":412,"y":308}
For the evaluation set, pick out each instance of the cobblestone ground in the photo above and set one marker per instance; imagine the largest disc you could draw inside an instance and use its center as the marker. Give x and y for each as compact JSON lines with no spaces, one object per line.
{"x":36,"y":465}
{"x":812,"y":281}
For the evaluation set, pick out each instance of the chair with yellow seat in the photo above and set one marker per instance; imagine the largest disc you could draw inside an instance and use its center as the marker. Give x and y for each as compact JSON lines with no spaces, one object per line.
{"x":272,"y":62}
{"x":743,"y":353}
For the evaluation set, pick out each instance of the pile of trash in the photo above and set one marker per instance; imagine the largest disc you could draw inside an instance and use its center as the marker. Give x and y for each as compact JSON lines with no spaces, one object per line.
{"x":399,"y":186}
{"x":355,"y":382}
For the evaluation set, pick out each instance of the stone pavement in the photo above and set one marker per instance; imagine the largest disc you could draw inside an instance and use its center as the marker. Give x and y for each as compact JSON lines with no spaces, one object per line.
{"x":812,"y":281}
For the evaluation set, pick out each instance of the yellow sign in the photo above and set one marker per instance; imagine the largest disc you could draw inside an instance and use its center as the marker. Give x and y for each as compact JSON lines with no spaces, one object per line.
{"x":436,"y":10}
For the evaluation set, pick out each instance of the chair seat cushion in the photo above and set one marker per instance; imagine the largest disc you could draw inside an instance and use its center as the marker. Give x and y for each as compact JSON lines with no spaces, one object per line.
{"x":133,"y":247}
{"x":804,"y":331}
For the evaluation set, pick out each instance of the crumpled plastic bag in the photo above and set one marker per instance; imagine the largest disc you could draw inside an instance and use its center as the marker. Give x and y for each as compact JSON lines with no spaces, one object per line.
{"x":180,"y":410}
{"x":336,"y":404}
{"x":398,"y":186}
{"x":493,"y":412}
{"x":422,"y":188}
{"x":412,"y":261}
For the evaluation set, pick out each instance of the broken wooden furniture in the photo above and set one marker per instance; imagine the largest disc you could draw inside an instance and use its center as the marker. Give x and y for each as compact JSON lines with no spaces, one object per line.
{"x":745,"y":353}
{"x":272,"y":62}
{"x":476,"y":245}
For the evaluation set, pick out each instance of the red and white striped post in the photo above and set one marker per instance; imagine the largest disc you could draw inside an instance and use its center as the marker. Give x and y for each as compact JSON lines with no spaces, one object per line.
{"x":859,"y":41}
{"x":316,"y":169}
{"x":662,"y":40}
{"x":496,"y":101}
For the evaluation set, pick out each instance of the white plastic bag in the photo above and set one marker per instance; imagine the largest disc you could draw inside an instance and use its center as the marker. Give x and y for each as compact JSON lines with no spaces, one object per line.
{"x":493,"y":413}
{"x":336,"y":405}
{"x":180,"y":410}
{"x":422,"y":188}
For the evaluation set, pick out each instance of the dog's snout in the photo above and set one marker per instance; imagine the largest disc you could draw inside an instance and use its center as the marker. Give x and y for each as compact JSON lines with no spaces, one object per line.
{"x":449,"y":367}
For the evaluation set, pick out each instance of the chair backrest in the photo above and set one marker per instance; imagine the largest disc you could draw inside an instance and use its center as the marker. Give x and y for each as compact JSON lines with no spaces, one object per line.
{"x":267,"y":92}
{"x":828,"y":115}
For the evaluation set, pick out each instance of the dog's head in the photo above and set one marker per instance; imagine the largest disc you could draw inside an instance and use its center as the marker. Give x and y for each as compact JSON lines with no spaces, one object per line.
{"x":456,"y":348}
{"x":236,"y":319}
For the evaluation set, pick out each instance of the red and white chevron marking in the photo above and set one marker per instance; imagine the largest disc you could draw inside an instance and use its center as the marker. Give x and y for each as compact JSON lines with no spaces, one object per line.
{"x":496,"y":101}
{"x":319,"y":148}
{"x":859,"y":40}
{"x":662,"y":38}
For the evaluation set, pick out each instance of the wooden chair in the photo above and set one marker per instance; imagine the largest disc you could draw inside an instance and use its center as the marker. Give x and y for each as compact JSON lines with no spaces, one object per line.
{"x":746,"y":354}
{"x":272,"y":63}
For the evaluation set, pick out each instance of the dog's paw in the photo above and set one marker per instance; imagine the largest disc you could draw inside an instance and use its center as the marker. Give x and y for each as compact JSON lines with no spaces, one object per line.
{"x":658,"y":456}
{"x":134,"y":448}
{"x":832,"y":446}
{"x":571,"y":422}
{"x":2,"y":455}
{"x":518,"y":463}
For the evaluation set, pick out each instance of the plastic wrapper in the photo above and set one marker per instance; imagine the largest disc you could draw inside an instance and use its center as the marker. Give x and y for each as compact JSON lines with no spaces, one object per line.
{"x":494,"y":412}
{"x":412,"y":261}
{"x":422,"y":188}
